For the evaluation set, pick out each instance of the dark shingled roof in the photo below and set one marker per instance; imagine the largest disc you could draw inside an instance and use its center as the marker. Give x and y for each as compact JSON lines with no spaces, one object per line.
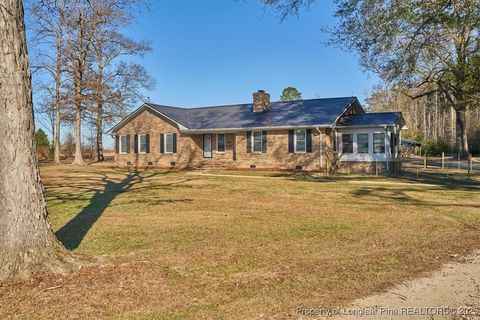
{"x":281,"y":114}
{"x":370,"y":119}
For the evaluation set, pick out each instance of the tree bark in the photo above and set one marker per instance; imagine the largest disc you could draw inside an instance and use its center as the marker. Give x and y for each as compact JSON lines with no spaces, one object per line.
{"x":27,"y":242}
{"x":78,"y":78}
{"x":100,"y":156}
{"x":56,"y":132}
{"x":461,"y":133}
{"x":78,"y":160}
{"x":56,"y":140}
{"x":58,"y":104}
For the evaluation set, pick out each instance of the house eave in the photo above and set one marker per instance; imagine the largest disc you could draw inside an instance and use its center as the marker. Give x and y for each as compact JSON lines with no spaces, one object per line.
{"x":244,"y":129}
{"x":367,"y":126}
{"x":404,"y":127}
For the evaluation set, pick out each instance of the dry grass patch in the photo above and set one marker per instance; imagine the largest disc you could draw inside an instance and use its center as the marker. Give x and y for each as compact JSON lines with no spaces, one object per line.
{"x":174,"y":245}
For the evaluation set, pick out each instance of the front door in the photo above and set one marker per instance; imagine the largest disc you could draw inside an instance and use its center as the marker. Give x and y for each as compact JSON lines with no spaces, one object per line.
{"x":207,"y":145}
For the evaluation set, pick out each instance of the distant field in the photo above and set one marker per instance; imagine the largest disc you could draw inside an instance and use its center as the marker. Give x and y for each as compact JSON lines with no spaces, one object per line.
{"x":183,"y":245}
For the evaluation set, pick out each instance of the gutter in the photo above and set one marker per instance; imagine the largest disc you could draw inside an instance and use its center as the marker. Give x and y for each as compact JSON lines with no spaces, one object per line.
{"x":321,"y":147}
{"x":367,"y":126}
{"x":227,"y":130}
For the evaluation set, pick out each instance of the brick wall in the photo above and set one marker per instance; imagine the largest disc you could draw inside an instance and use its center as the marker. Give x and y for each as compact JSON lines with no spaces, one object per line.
{"x":190,"y":148}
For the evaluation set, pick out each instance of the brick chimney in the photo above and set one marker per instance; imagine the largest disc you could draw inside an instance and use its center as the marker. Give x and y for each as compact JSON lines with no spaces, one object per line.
{"x":261,"y":101}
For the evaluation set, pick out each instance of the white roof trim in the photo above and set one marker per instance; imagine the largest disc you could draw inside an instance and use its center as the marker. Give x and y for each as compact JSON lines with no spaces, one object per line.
{"x":223,"y":130}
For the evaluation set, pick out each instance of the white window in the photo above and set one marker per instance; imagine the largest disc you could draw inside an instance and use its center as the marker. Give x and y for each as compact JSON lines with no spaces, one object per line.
{"x":123,"y":144}
{"x":300,"y":141}
{"x":257,"y":141}
{"x":379,"y":143}
{"x":347,"y":143}
{"x":142,"y":143}
{"x":220,"y":142}
{"x":362,"y":143}
{"x":168,"y":142}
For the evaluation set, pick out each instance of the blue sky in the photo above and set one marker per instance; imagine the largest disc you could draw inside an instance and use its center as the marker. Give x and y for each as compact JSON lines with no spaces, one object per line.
{"x":220,"y":51}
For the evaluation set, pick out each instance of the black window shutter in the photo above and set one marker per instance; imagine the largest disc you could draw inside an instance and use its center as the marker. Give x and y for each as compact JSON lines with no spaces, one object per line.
{"x":174,"y":143}
{"x":309,"y":140}
{"x":249,"y":141}
{"x":162,"y":143}
{"x":264,"y":141}
{"x":290,"y":141}
{"x":135,"y":143}
{"x":147,"y":147}
{"x":116,"y":144}
{"x":128,"y":143}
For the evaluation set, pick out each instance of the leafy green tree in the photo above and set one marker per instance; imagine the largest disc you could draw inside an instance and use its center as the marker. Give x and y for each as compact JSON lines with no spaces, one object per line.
{"x":432,"y":46}
{"x":41,"y":139}
{"x":43,"y":144}
{"x":290,"y":94}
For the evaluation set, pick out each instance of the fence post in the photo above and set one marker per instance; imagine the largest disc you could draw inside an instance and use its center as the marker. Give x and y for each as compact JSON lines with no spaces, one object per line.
{"x":425,"y":161}
{"x":458,"y":160}
{"x":443,"y":160}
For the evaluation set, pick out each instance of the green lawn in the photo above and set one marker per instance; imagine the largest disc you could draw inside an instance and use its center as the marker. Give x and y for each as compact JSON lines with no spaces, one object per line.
{"x":179,"y":245}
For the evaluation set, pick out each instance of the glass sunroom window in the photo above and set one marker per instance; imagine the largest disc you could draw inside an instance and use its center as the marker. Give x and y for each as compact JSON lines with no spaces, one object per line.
{"x":362,"y":143}
{"x":347,"y":143}
{"x":379,"y":143}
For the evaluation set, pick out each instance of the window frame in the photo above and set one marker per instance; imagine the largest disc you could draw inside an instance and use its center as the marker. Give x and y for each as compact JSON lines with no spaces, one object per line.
{"x":295,"y":149}
{"x":165,"y":135}
{"x":120,"y":149}
{"x":351,"y":143}
{"x":224,"y":143}
{"x":139,"y":143}
{"x":253,"y":141}
{"x":383,"y":142}
{"x":368,"y":143}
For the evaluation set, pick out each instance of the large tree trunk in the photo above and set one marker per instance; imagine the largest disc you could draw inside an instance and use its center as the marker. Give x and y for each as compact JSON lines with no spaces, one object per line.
{"x":58,"y":74}
{"x":56,"y":133}
{"x":78,"y":160}
{"x":27,"y":242}
{"x":78,"y":78}
{"x":100,"y":156}
{"x":461,"y":133}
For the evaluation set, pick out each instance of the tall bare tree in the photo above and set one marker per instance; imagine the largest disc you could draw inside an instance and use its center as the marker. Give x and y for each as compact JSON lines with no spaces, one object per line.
{"x":27,"y":242}
{"x":430,"y":45}
{"x":115,"y":85}
{"x":80,"y":32}
{"x":49,"y":18}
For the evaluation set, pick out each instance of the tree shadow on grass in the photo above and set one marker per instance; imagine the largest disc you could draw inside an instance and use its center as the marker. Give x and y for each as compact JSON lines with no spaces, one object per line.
{"x":74,"y":231}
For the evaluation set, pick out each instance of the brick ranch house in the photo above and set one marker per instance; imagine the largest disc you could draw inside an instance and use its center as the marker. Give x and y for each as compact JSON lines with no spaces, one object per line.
{"x":314,"y":135}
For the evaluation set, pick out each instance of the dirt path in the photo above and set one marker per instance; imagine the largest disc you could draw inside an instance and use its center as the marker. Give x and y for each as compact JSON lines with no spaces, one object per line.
{"x":454,"y":288}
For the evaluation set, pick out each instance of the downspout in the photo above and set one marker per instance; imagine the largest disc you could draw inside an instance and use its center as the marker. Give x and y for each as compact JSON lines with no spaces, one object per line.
{"x":387,"y":150}
{"x":321,"y":147}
